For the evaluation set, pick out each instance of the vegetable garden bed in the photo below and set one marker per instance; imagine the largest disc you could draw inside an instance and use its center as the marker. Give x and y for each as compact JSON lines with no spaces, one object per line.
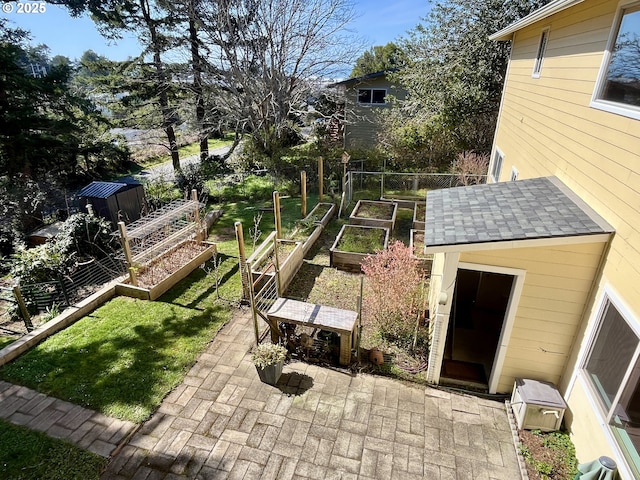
{"x":372,"y":213}
{"x":419,"y":214}
{"x":354,"y":243}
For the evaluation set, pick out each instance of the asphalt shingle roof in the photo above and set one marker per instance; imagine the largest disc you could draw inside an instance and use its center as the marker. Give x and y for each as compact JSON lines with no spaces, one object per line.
{"x":506,"y":211}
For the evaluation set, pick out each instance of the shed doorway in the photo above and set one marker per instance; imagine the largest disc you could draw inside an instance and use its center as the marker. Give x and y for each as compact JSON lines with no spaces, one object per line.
{"x":479,"y":308}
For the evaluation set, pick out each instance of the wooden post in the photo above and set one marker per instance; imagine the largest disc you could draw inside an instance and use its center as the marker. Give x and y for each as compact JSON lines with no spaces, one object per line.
{"x":303,"y":190}
{"x":122,"y":228}
{"x":23,"y":308}
{"x":276,"y":213}
{"x":245,"y":275}
{"x":196,"y":215}
{"x":320,"y":178}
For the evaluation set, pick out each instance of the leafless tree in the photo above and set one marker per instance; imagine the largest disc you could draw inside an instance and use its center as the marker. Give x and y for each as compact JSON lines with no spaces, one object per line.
{"x":470,"y":167}
{"x":265,"y":56}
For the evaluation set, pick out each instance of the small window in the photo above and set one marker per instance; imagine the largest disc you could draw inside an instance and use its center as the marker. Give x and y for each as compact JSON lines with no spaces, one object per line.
{"x":618,"y":88}
{"x":514,"y":174}
{"x":370,"y":96}
{"x":612,"y":368}
{"x":496,"y":166}
{"x":542,"y":46}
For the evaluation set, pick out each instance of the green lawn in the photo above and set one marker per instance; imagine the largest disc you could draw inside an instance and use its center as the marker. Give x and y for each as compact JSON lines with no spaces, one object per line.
{"x":128,"y":354}
{"x":188,"y":150}
{"x":25,"y":455}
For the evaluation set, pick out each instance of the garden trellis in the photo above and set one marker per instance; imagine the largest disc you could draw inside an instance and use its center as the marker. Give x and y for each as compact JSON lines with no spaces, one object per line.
{"x":160,"y":231}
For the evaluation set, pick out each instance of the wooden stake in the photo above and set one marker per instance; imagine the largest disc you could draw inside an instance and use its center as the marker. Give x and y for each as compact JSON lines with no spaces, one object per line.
{"x":122,"y":228}
{"x":196,"y":215}
{"x":276,"y":213}
{"x":245,"y":275}
{"x":303,"y":189}
{"x":320,"y":178}
{"x":23,"y":308}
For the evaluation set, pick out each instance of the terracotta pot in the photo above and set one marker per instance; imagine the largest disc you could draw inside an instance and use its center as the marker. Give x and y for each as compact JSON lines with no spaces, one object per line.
{"x":376,"y":357}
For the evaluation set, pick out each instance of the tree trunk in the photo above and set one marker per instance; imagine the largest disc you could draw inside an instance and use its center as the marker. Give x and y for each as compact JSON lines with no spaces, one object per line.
{"x":203,"y":136}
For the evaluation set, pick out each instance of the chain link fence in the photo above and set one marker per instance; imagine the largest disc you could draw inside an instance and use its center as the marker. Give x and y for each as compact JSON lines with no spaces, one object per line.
{"x":398,"y":186}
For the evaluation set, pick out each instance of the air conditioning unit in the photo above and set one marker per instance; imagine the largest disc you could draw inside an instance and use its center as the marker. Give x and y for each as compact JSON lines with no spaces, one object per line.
{"x":537,"y":405}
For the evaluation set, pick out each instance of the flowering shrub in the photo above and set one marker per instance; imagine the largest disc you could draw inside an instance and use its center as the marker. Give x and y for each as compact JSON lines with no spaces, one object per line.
{"x":267,"y":354}
{"x":392,"y":297}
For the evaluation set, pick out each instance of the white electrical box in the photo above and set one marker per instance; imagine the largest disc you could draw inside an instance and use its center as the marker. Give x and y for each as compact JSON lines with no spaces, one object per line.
{"x":537,"y":405}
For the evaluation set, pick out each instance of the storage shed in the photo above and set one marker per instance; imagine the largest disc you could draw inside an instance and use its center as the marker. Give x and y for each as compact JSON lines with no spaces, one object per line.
{"x":113,"y":201}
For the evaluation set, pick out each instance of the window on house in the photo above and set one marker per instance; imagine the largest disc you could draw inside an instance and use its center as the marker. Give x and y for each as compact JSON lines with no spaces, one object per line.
{"x":618,"y":87}
{"x":542,"y":46}
{"x":496,"y":166}
{"x":371,"y":95}
{"x":613,"y":370}
{"x":514,"y":174}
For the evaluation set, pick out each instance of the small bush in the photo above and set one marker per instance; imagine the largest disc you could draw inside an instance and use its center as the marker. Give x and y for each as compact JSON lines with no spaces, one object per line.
{"x":191,"y":177}
{"x":43,"y":263}
{"x":88,"y":235}
{"x":393,"y":292}
{"x":159,"y":192}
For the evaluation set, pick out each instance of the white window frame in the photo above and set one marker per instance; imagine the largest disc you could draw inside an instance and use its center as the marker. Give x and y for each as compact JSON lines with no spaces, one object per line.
{"x":542,"y":48}
{"x":582,"y":376}
{"x":495,"y":172}
{"x":596,"y":101}
{"x":370,"y":104}
{"x":514,"y":174}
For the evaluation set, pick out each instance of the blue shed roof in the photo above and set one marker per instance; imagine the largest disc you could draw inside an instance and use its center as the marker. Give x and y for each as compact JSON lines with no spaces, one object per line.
{"x":101,"y":189}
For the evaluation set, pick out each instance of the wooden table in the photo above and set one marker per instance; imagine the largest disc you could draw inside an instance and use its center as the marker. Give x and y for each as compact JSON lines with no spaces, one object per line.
{"x":332,"y":319}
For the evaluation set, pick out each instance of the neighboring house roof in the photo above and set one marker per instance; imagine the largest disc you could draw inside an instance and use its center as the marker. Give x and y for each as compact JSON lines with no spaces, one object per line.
{"x":531,"y":209}
{"x":540,"y":14}
{"x":101,"y":189}
{"x":364,"y":78}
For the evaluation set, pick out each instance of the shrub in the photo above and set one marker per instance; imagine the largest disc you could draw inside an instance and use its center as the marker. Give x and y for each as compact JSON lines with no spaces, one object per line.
{"x":191,"y":177}
{"x":393,"y":291}
{"x":159,"y":192}
{"x":267,"y":354}
{"x":470,"y":167}
{"x":88,"y":235}
{"x":43,"y":263}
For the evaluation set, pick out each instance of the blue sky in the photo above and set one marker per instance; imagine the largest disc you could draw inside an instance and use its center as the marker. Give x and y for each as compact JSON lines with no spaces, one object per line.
{"x":379,"y":22}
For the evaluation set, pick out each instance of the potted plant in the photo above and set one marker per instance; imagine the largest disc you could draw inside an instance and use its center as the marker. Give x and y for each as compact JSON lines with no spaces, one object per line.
{"x":269,"y":360}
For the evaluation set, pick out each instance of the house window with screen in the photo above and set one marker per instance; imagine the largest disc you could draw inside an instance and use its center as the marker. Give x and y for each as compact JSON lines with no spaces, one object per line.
{"x":371,"y":96}
{"x":496,"y":166}
{"x":542,"y":46}
{"x":612,"y":368}
{"x":619,"y":82}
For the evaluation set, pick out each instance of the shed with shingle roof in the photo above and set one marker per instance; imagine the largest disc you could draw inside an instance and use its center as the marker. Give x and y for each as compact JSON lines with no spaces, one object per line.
{"x":514,"y":266}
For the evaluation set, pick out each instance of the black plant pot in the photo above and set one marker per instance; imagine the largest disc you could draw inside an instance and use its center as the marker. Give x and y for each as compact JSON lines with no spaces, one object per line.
{"x":271,"y":373}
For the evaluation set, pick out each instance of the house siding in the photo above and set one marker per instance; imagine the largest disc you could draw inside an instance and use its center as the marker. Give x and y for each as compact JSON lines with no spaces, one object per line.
{"x":362,"y":127}
{"x":547,"y":127}
{"x":557,"y":288}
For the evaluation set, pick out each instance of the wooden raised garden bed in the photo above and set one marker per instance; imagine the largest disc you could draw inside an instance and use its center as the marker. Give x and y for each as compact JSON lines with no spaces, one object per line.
{"x":165,"y":271}
{"x":419,"y":214}
{"x":371,"y":213}
{"x":319,"y":217}
{"x":417,"y":250}
{"x":354,"y":243}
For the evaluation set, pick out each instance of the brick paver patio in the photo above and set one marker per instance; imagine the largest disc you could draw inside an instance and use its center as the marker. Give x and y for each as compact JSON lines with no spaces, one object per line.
{"x":222,"y":422}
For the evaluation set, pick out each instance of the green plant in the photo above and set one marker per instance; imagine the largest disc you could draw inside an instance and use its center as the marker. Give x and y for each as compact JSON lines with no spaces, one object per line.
{"x":361,"y":240}
{"x":88,"y":235}
{"x":51,"y":312}
{"x":29,"y":455}
{"x":267,"y":354}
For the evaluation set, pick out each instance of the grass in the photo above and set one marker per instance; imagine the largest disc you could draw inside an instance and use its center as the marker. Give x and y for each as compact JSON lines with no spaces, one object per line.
{"x":128,"y":354}
{"x":4,"y":341}
{"x":361,"y":240}
{"x":187,"y":151}
{"x":26,"y":455}
{"x":374,"y":210}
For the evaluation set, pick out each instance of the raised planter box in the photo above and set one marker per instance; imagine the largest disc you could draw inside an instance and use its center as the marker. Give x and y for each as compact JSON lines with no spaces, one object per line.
{"x":416,"y":243}
{"x":419,"y":214}
{"x":351,"y":261}
{"x":164,"y":285}
{"x":371,"y":213}
{"x":320,"y":224}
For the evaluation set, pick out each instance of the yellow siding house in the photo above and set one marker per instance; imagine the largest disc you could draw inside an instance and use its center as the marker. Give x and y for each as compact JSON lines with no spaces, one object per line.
{"x":570,"y":114}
